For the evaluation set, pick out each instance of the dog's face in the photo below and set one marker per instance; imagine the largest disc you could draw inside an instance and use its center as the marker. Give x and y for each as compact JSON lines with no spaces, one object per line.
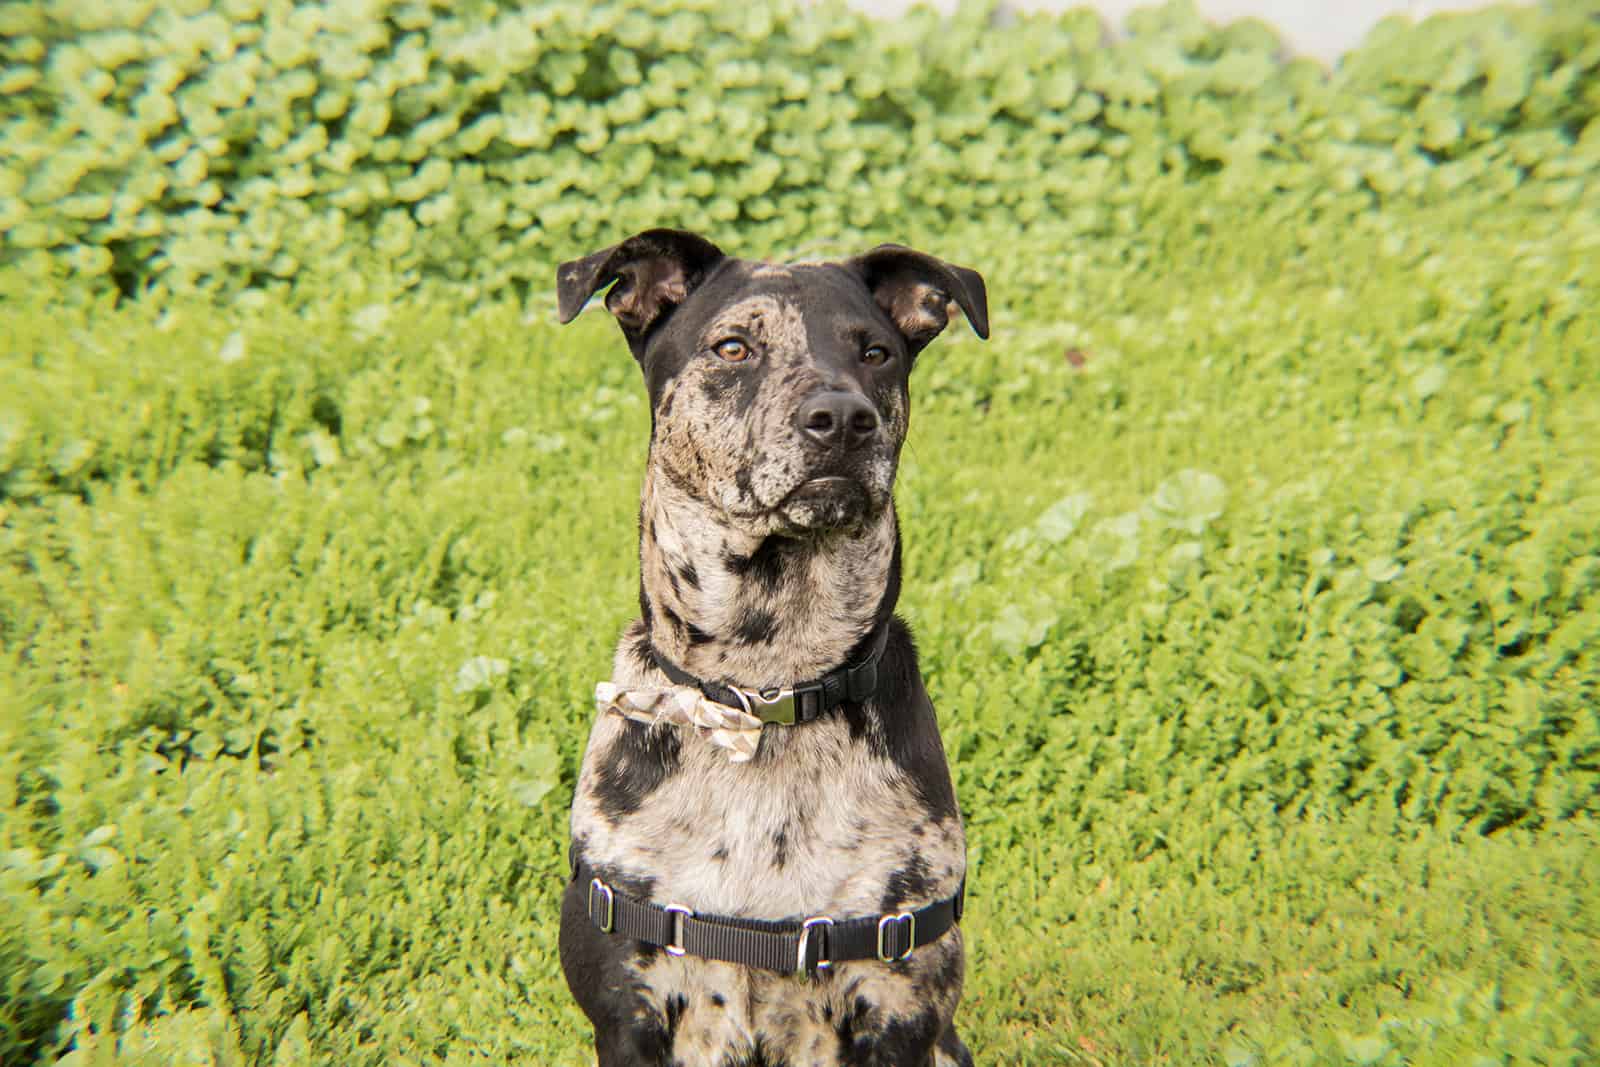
{"x":779,"y":394}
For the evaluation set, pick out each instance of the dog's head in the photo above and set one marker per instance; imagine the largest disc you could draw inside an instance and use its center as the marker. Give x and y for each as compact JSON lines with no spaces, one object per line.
{"x":778,"y":394}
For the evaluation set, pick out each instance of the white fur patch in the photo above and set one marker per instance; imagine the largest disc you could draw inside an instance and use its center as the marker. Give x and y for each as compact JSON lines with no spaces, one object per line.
{"x":824,"y":607}
{"x":848,"y":820}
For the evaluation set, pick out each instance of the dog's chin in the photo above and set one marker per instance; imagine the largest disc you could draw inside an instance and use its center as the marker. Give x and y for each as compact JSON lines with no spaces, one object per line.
{"x":825,"y":504}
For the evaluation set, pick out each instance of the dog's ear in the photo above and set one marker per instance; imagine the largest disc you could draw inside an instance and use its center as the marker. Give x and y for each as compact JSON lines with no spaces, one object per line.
{"x":654,"y":271}
{"x":915,"y":289}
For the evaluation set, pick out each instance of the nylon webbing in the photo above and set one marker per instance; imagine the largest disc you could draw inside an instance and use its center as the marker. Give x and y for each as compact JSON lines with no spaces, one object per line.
{"x":773,"y":946}
{"x":852,"y":682}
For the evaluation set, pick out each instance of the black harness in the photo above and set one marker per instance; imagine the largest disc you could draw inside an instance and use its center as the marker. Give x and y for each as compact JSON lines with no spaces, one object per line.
{"x":800,"y":947}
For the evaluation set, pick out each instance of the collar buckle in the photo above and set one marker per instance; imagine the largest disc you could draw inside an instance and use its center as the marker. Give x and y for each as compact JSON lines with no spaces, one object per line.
{"x":769,"y":705}
{"x":793,"y":704}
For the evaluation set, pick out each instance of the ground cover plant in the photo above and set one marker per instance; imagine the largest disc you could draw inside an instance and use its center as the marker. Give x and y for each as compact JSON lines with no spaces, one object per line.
{"x":1253,"y":562}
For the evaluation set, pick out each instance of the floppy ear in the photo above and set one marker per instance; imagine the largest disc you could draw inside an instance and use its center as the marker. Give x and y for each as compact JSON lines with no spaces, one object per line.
{"x":654,"y":271}
{"x":915,"y":289}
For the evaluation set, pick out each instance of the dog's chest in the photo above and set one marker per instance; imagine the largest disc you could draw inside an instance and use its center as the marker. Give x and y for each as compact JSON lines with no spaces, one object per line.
{"x":817,"y":824}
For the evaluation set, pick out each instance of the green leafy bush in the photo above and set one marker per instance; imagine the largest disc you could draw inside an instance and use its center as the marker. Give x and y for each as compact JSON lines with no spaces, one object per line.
{"x":1252,"y":561}
{"x":255,"y":142}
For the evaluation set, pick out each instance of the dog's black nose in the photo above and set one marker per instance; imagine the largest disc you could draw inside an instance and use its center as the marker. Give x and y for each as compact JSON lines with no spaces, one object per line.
{"x":837,"y":419}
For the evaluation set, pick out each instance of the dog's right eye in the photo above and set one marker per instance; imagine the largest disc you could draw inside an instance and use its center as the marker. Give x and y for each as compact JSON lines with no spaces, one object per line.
{"x":733,"y":350}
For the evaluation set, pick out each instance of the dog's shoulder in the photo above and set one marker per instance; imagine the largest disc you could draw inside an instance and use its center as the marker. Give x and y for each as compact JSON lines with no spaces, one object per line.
{"x":899,"y":725}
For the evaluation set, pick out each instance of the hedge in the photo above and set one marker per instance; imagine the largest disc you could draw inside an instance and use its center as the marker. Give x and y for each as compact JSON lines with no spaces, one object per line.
{"x":252,"y":143}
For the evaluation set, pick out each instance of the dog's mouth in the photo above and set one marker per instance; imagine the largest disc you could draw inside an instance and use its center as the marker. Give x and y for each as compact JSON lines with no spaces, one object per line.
{"x":827,"y":502}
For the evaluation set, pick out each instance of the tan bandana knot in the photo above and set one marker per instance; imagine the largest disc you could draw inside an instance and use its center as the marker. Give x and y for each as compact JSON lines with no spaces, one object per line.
{"x":728,"y":728}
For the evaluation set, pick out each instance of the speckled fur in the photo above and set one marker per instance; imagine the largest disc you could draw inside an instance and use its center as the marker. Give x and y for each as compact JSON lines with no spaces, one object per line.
{"x":753,"y":572}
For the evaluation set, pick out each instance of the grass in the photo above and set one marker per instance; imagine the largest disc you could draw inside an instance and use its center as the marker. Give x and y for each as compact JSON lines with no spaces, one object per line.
{"x":1252,"y":561}
{"x":302,"y":605}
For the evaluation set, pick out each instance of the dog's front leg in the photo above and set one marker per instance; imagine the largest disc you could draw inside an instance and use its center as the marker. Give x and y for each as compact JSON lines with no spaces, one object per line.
{"x":628,"y":1032}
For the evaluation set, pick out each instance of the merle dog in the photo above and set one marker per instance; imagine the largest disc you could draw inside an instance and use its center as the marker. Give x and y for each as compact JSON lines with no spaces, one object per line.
{"x":769,"y":555}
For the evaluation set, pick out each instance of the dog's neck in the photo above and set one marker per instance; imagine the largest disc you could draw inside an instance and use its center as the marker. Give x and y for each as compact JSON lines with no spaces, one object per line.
{"x":737,"y":609}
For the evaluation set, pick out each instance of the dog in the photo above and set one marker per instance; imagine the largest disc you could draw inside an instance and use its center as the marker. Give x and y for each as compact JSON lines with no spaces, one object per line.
{"x":767,"y":858}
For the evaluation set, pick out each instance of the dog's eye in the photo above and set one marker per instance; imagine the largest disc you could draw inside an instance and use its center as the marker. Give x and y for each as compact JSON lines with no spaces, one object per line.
{"x":733,"y":350}
{"x":876,"y":356}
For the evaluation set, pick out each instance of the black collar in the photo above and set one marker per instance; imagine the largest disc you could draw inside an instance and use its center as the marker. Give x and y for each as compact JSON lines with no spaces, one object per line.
{"x":800,"y":703}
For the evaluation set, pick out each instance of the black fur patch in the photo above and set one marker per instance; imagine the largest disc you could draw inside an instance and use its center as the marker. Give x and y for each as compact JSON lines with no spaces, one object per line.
{"x":638,"y":763}
{"x":676,"y":1005}
{"x":760,"y":1056}
{"x":946,"y":976}
{"x":854,"y":1029}
{"x":765,"y":564}
{"x":698,"y":636}
{"x":906,"y":1040}
{"x":900,"y":725}
{"x":950,"y":1044}
{"x":756,"y":627}
{"x":780,"y":848}
{"x":643,"y":650}
{"x":908,"y":882}
{"x":595,"y":967}
{"x":715,"y":387}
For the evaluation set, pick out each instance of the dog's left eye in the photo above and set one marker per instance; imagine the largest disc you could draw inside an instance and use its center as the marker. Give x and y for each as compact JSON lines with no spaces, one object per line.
{"x":876,"y":356}
{"x":733,"y":350}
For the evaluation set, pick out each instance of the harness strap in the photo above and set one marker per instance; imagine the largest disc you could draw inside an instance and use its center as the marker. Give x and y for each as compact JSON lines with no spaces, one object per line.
{"x":793,"y":947}
{"x":792,"y":705}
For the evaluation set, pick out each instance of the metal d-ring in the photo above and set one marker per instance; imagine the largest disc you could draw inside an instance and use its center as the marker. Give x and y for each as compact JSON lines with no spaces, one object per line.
{"x":911,"y":938}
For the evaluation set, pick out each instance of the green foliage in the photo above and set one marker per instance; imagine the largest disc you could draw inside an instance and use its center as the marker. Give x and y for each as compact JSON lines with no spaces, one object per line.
{"x":248,"y":143}
{"x":1253,"y":561}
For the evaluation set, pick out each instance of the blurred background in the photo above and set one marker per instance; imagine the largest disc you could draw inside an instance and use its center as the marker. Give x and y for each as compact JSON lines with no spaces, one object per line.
{"x":1325,"y":29}
{"x":1252,"y":561}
